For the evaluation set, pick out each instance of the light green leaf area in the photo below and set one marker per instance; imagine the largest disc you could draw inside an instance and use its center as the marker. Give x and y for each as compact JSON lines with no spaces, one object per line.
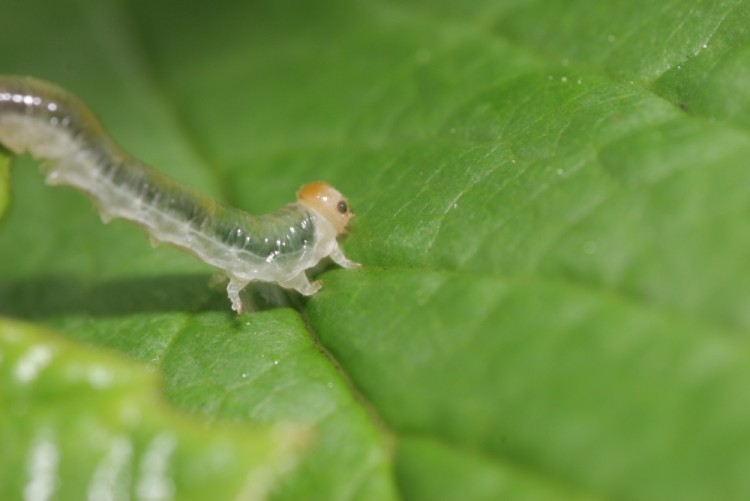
{"x":81,"y":423}
{"x":552,"y":202}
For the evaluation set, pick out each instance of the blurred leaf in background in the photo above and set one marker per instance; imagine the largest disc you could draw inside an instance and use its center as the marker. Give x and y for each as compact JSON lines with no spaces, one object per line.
{"x":80,"y":423}
{"x":552,"y":201}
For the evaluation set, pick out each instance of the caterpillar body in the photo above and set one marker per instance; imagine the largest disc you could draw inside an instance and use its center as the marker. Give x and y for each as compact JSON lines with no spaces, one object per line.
{"x":52,"y":125}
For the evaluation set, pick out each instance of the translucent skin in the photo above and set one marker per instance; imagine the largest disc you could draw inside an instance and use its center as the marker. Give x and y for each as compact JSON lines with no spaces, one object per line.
{"x":52,"y":125}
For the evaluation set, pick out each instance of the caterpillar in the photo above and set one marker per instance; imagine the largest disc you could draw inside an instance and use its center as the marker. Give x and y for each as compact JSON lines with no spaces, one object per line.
{"x":53,"y":126}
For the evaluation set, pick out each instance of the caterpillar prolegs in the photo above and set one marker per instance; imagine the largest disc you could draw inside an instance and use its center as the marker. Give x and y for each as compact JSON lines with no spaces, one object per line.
{"x":52,"y":125}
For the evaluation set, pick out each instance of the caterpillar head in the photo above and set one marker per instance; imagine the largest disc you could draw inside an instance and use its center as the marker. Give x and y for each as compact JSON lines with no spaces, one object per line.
{"x":328,"y":202}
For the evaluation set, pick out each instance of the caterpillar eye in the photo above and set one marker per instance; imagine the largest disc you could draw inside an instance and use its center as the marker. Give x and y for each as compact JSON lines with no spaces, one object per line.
{"x":342,"y":207}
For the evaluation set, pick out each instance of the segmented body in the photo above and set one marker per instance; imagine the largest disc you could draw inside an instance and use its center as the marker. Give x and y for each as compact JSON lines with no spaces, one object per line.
{"x":52,"y":125}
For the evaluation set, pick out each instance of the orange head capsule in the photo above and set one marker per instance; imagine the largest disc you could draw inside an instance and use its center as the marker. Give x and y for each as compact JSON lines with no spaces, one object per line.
{"x":328,"y":202}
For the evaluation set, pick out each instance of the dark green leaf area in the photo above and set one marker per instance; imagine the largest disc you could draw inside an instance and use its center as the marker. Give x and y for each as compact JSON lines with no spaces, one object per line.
{"x":264,"y":368}
{"x":545,"y":375}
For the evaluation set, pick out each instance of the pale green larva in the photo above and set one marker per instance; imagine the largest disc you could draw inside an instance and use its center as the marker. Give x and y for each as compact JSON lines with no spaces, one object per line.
{"x":52,"y":125}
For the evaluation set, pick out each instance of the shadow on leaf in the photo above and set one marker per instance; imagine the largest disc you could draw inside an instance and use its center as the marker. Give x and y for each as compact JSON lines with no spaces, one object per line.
{"x":60,"y":295}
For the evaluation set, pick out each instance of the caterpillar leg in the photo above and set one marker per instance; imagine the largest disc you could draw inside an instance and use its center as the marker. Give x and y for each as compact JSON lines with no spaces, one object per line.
{"x":340,"y":259}
{"x":233,"y":291}
{"x":303,"y":285}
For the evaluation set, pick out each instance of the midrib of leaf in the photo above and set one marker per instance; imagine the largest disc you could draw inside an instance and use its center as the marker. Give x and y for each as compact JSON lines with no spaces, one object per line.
{"x":376,"y":419}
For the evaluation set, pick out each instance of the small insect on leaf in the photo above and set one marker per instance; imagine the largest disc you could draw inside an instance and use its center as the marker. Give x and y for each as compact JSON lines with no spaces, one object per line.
{"x":54,"y":126}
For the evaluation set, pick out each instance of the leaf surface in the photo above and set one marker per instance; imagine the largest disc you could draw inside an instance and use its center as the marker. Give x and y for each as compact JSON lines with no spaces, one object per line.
{"x":80,"y":422}
{"x":551,"y":203}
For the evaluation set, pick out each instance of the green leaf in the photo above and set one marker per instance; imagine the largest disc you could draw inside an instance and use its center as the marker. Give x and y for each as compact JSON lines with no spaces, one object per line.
{"x":78,"y":422}
{"x":4,"y":186}
{"x":551,"y":203}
